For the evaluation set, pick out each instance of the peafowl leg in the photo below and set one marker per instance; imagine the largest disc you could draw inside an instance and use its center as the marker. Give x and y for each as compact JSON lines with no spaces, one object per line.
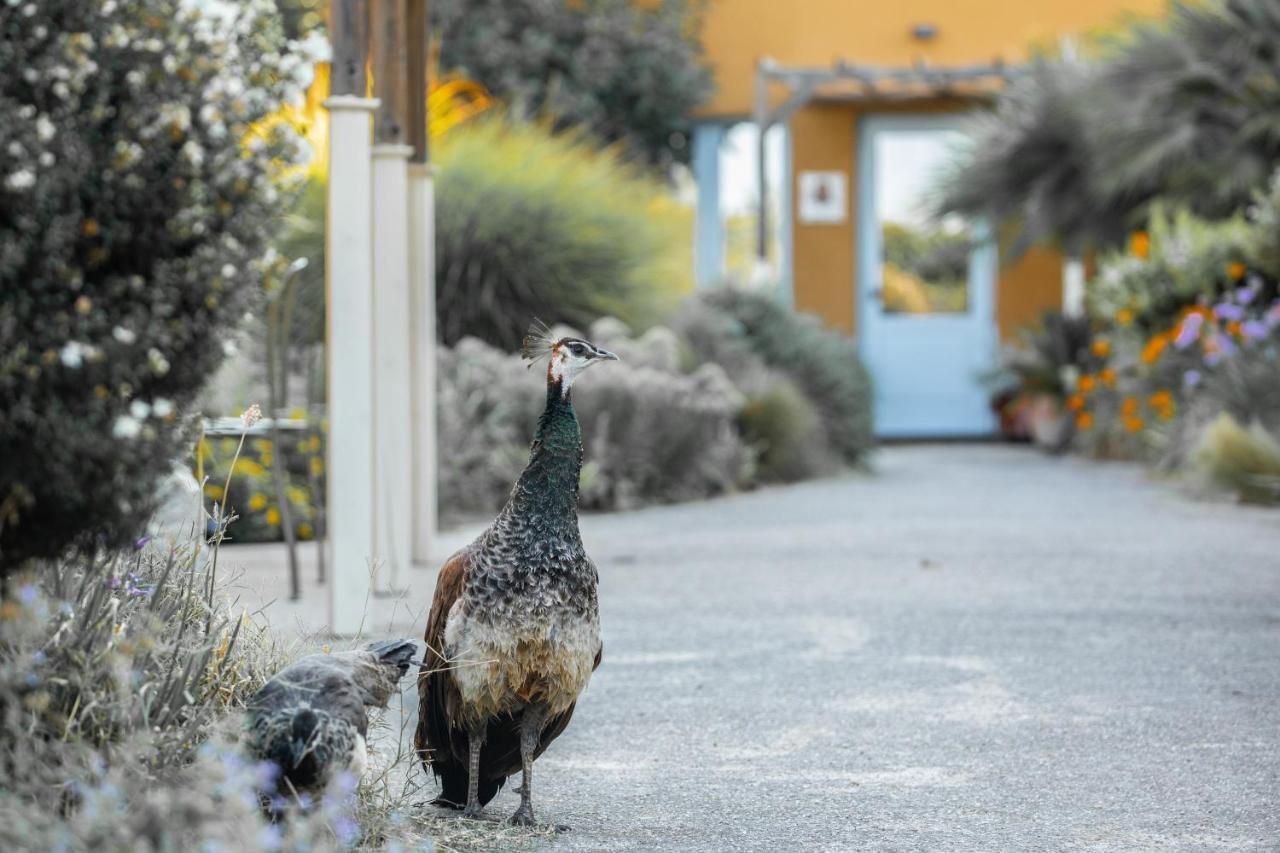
{"x":530,"y":730}
{"x":475,"y":739}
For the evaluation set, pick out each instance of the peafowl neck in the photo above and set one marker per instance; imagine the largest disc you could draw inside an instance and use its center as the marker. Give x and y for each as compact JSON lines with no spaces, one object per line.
{"x":547,"y":491}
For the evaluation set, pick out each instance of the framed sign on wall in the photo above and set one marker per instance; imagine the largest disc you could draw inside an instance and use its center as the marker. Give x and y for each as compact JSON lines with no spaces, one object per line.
{"x":823,"y":198}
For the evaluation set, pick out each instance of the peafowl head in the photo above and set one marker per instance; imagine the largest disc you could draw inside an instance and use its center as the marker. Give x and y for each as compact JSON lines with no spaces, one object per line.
{"x":567,"y":358}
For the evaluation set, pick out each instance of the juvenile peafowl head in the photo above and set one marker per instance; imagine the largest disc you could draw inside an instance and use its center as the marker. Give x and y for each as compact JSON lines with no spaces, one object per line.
{"x":567,"y":358}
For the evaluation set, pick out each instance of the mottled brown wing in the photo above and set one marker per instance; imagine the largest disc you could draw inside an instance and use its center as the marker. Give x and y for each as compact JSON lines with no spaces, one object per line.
{"x":437,"y":696}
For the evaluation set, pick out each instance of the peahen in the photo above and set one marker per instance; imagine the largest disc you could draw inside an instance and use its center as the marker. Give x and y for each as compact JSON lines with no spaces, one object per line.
{"x":514,"y":630}
{"x":311,"y":718}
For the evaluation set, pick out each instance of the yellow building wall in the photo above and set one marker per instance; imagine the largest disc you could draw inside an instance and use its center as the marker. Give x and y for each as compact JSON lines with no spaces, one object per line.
{"x":824,"y":134}
{"x":736,"y":33}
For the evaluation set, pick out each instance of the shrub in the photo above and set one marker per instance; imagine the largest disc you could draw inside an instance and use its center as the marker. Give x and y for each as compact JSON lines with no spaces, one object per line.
{"x":629,"y":73}
{"x":823,"y":364}
{"x":651,"y":435}
{"x":785,"y":430}
{"x":132,"y":219}
{"x":535,"y":224}
{"x":1246,"y":461}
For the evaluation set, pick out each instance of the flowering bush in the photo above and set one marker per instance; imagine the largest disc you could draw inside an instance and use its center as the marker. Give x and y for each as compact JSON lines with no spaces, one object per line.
{"x":1191,"y":332}
{"x":248,"y":490}
{"x":135,"y":196}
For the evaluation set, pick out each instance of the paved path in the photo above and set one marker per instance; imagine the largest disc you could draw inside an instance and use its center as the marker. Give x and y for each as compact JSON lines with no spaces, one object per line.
{"x":978,"y":648}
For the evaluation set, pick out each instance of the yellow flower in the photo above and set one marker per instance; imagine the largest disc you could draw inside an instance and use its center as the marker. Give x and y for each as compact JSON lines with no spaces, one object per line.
{"x":317,"y":466}
{"x":1133,"y":423}
{"x":1108,"y":376}
{"x":1124,"y":316}
{"x":1236,"y":270}
{"x":1075,"y":402}
{"x":1139,"y":244}
{"x":257,"y":502}
{"x":1129,"y":407}
{"x":1085,"y":383}
{"x":297,"y":495}
{"x":1101,"y":348}
{"x":273,"y":516}
{"x":262,"y":445}
{"x":90,"y":228}
{"x":1084,"y":421}
{"x":1154,"y":348}
{"x":101,"y":392}
{"x":305,"y":531}
{"x":297,"y":413}
{"x":213,"y":491}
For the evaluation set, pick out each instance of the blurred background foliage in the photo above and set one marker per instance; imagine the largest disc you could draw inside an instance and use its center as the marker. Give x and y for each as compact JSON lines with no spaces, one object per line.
{"x":1183,"y":111}
{"x":627,"y":73}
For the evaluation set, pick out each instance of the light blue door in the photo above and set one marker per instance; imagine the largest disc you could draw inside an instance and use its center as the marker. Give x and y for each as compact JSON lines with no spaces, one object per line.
{"x":925,"y":288}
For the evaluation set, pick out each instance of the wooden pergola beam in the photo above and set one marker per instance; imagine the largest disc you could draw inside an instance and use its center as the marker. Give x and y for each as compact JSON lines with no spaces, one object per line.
{"x":418,"y":34}
{"x":390,"y":71}
{"x":349,"y":32}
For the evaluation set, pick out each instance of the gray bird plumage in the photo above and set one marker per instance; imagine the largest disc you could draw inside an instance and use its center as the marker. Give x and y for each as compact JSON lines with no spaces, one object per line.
{"x":312,"y":720}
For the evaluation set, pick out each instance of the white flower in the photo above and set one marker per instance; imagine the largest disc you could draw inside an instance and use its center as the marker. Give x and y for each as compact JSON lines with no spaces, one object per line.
{"x":140,"y":409}
{"x":21,"y":180}
{"x":159,"y":364}
{"x":45,"y":129}
{"x":162,"y":408}
{"x":126,"y":427}
{"x":123,"y":335}
{"x":228,"y":271}
{"x":251,"y":415}
{"x":229,"y":348}
{"x":47,"y":159}
{"x":73,"y":353}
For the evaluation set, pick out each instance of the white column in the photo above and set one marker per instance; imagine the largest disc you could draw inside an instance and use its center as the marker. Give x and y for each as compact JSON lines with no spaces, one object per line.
{"x":349,"y":332}
{"x":1073,"y":286}
{"x":393,"y":437}
{"x":422,"y":301}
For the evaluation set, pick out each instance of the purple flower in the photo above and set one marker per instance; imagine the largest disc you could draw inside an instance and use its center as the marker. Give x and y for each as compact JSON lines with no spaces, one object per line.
{"x":114,"y":583}
{"x":1228,"y":311}
{"x":265,"y":774}
{"x":1254,"y":330}
{"x":27,"y":594}
{"x":347,"y":830}
{"x":1192,"y":378}
{"x":346,"y":783}
{"x":1246,"y":294}
{"x":271,"y":837}
{"x":141,"y":542}
{"x":1188,"y":331}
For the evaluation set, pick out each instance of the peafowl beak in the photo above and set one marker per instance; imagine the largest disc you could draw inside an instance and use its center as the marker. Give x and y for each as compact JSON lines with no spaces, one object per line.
{"x":606,"y":355}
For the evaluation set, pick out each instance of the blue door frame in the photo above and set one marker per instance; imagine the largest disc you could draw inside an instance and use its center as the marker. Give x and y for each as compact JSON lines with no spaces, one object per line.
{"x":926,"y":368}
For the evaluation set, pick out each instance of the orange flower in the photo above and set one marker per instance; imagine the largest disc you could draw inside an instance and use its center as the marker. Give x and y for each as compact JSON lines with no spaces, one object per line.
{"x":1129,"y":407}
{"x":1133,"y":424}
{"x":1233,"y":328}
{"x":1124,"y":316}
{"x":1084,"y":421}
{"x":1154,"y":348}
{"x":1163,"y":404}
{"x":1101,"y":348}
{"x":1236,"y":270}
{"x":1108,"y":376}
{"x":1085,"y":383}
{"x":1139,"y":244}
{"x":1075,"y":402}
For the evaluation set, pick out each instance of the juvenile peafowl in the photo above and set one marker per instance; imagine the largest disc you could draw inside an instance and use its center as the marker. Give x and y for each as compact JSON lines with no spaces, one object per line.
{"x":514,"y":630}
{"x":312,"y":719}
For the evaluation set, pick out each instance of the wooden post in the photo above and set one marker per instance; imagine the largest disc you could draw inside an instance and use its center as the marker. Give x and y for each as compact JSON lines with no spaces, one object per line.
{"x":422,"y":291}
{"x":349,"y":320}
{"x":391,"y":378}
